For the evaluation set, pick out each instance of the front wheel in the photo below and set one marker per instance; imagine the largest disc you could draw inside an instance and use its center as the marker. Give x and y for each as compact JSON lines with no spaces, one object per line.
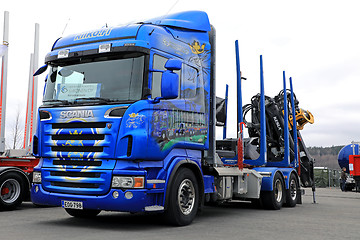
{"x":274,"y":199}
{"x":183,"y":199}
{"x":85,"y":213}
{"x":12,"y":191}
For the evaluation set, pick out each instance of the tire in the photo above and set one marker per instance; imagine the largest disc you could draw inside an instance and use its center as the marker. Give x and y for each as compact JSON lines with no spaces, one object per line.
{"x":12,"y":190}
{"x":349,"y":187}
{"x":183,"y":201}
{"x":256,"y":203}
{"x":85,"y":213}
{"x":274,"y":199}
{"x":292,"y":194}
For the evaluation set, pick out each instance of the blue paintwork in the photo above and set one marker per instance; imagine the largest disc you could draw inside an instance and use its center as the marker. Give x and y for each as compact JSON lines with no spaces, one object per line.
{"x":169,"y":85}
{"x":267,"y":181}
{"x":295,"y":163}
{"x":261,"y":161}
{"x":102,"y":202}
{"x":192,"y":20}
{"x":286,"y":160}
{"x":226,"y":105}
{"x":345,"y":152}
{"x":239,"y":88}
{"x":209,"y":186}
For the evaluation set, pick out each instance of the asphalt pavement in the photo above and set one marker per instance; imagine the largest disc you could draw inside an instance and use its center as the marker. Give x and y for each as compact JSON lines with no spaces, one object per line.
{"x":336,"y":215}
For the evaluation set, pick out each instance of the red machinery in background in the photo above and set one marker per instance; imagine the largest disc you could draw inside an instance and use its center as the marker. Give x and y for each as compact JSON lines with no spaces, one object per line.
{"x":16,"y":165}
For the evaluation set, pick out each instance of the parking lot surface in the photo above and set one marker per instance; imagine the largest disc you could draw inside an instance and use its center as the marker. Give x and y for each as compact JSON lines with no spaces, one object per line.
{"x":336,"y":215}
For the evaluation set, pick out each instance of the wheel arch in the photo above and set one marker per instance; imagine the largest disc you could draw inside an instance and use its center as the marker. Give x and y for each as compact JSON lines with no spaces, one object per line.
{"x":22,"y":174}
{"x":287,"y":172}
{"x":185,"y":163}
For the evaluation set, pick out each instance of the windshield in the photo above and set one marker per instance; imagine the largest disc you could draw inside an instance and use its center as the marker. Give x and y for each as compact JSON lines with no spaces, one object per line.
{"x":101,"y":79}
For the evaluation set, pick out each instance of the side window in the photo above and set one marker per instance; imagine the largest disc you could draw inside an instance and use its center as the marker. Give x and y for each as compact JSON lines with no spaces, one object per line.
{"x":159,"y":64}
{"x":189,"y":81}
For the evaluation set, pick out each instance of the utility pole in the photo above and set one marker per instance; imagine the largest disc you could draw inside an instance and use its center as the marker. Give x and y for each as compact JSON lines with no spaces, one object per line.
{"x":4,"y":67}
{"x":31,"y":109}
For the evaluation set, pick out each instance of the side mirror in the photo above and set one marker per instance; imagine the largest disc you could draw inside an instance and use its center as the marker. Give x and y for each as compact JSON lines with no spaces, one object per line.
{"x":170,"y":80}
{"x":41,"y":70}
{"x":173,"y":64}
{"x":169,"y":85}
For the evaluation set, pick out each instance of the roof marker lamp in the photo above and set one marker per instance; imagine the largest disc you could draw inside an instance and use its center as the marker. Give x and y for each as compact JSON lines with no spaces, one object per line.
{"x":105,"y":48}
{"x":63,"y":53}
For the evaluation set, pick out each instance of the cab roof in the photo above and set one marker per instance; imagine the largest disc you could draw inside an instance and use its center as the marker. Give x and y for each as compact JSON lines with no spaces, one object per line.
{"x":192,"y":20}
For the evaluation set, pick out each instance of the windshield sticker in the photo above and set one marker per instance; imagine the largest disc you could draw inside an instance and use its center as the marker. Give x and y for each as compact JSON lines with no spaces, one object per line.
{"x":73,"y":91}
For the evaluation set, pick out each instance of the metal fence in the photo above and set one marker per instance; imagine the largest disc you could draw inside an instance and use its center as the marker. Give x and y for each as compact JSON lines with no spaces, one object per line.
{"x":325,"y":177}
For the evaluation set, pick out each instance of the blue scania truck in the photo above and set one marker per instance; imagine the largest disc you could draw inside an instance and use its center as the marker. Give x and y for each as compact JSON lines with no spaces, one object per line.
{"x":128,"y":124}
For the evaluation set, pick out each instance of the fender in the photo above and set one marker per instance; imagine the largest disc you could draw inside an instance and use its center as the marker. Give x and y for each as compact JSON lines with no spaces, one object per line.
{"x":4,"y":170}
{"x":191,"y":165}
{"x":286,"y":173}
{"x":268,"y":174}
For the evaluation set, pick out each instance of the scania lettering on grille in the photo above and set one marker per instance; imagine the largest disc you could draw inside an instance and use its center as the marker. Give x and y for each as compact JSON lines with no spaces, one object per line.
{"x":77,"y":114}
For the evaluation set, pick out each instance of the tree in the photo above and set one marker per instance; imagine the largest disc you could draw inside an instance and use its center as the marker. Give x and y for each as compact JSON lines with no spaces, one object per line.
{"x":16,"y":132}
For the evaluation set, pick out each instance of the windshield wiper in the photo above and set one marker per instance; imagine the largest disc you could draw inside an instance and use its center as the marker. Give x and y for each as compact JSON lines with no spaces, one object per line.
{"x":57,"y":100}
{"x":103,"y":100}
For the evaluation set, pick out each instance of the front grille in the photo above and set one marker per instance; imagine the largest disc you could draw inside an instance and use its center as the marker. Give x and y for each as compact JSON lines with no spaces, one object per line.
{"x":74,"y":185}
{"x":79,"y":125}
{"x":75,"y":174}
{"x":78,"y":137}
{"x":77,"y":149}
{"x":76,"y":179}
{"x":76,"y":163}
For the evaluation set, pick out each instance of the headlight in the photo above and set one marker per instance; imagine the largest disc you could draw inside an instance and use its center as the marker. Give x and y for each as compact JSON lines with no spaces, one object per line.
{"x":36,"y":177}
{"x":127,"y":182}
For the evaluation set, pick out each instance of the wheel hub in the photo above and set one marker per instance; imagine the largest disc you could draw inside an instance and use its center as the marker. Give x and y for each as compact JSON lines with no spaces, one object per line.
{"x":293,"y":190}
{"x":278,"y":190}
{"x":10,"y":191}
{"x":186,"y":196}
{"x":5,"y":191}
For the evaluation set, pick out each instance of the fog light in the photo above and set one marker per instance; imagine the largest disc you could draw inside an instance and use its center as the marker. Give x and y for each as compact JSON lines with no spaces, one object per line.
{"x":128,"y":195}
{"x":36,"y":177}
{"x":115,"y":194}
{"x":36,"y":188}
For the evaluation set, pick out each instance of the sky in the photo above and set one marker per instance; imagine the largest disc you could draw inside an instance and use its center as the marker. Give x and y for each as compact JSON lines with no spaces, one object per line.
{"x":315,"y":41}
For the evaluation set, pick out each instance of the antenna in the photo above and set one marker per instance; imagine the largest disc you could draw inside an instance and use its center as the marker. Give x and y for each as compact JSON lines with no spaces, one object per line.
{"x":65,"y":27}
{"x":171,"y":8}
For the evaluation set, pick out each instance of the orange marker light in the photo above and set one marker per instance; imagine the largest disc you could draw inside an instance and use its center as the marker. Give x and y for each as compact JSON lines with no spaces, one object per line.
{"x":138,"y":182}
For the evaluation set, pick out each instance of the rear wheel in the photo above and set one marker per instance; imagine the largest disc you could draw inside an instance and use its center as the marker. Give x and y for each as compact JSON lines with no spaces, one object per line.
{"x":292,"y":194}
{"x":12,"y":190}
{"x":183,"y":200}
{"x":274,"y":199}
{"x":85,"y":213}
